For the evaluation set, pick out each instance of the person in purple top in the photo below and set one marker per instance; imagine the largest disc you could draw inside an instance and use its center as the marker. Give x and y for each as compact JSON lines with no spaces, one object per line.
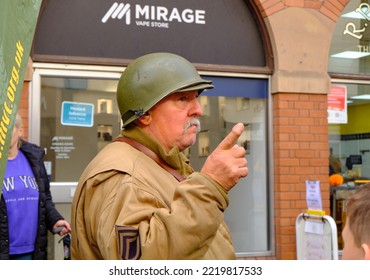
{"x":27,"y":210}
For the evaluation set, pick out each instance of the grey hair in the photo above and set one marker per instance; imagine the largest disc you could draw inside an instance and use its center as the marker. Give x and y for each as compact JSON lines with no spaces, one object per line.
{"x":18,"y":121}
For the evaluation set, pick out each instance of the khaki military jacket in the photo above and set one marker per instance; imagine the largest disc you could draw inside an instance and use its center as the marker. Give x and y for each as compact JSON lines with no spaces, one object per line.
{"x":126,"y":206}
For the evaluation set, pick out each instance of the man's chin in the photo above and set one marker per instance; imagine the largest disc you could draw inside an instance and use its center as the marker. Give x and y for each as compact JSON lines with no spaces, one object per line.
{"x":189,"y":140}
{"x":193,"y":129}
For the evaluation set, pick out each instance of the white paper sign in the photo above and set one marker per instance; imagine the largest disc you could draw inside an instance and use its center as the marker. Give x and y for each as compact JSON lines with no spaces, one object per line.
{"x":316,"y":227}
{"x":313,"y":195}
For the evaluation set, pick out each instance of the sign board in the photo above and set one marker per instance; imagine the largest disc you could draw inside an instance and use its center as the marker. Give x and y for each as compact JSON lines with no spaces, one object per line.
{"x":221,"y":32}
{"x":337,"y":104}
{"x":316,"y":237}
{"x":77,"y":114}
{"x":316,"y":233}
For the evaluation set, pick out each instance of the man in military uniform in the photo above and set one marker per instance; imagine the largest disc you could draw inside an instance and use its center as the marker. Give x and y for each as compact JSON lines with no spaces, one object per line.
{"x":139,"y":198}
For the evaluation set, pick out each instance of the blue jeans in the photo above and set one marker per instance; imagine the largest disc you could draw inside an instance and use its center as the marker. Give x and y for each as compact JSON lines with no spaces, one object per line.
{"x":25,"y":256}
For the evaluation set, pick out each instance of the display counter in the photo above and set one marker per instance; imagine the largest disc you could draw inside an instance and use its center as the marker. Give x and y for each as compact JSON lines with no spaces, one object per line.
{"x":338,"y":203}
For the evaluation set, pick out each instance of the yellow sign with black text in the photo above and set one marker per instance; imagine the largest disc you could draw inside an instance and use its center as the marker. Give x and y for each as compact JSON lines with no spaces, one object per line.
{"x":18,"y":22}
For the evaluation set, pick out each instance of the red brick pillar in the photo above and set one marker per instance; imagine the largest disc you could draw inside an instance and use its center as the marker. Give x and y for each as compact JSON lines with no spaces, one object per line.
{"x":300,"y":154}
{"x":23,"y":105}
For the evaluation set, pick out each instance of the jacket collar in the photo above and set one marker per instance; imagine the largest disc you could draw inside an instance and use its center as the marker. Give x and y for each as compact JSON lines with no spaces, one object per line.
{"x":173,"y":158}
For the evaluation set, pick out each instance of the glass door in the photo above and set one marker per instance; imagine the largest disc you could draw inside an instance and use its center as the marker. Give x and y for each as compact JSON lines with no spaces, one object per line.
{"x":76,"y":116}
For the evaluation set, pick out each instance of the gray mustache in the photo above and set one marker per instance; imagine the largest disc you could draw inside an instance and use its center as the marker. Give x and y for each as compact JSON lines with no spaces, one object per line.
{"x":193,"y":121}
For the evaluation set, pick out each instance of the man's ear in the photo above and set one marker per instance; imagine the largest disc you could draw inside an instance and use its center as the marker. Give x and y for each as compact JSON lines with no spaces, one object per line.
{"x":145,"y":119}
{"x":366,"y":251}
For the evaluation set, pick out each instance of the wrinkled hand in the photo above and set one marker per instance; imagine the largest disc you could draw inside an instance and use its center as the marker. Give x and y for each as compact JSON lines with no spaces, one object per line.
{"x":66,"y":227}
{"x":227,"y":163}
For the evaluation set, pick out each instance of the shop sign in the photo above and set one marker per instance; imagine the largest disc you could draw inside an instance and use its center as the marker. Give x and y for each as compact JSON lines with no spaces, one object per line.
{"x":221,"y":32}
{"x":153,"y":16}
{"x":351,"y":29}
{"x":77,"y":114}
{"x":62,"y":146}
{"x":357,"y":29}
{"x":337,"y":104}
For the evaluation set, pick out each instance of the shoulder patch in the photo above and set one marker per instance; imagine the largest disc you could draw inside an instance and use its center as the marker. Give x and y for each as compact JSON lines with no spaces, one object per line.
{"x":128,"y":242}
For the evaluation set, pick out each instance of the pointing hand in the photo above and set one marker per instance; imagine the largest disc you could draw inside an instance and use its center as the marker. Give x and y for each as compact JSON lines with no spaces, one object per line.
{"x":227,"y":163}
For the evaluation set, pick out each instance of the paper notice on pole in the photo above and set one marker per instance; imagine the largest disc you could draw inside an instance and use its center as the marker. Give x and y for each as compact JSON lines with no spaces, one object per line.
{"x":313,"y":195}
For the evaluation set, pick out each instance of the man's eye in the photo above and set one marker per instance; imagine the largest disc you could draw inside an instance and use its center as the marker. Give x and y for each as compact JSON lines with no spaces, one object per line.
{"x":183,"y":98}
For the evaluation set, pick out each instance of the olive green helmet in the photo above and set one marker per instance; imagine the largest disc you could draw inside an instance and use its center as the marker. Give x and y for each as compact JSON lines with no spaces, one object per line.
{"x":150,"y":78}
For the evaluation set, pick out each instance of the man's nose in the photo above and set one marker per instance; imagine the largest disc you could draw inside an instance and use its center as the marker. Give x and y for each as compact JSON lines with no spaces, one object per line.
{"x":196,"y":109}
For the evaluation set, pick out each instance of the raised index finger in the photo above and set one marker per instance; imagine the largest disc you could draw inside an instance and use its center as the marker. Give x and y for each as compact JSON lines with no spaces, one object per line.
{"x":230,"y":140}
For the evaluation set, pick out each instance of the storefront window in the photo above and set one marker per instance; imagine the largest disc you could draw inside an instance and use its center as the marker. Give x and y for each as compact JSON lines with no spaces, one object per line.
{"x":350,"y":49}
{"x":77,"y":115}
{"x":240,"y":100}
{"x":348,"y":107}
{"x":349,"y":148}
{"x":247,"y":214}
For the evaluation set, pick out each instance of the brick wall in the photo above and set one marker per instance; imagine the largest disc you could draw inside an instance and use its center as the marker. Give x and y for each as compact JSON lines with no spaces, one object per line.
{"x":330,"y":8}
{"x":300,"y":154}
{"x":23,"y":106}
{"x":300,"y":137}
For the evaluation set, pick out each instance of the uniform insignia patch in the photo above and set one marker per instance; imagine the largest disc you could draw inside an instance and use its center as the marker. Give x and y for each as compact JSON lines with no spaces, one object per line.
{"x":128,"y":239}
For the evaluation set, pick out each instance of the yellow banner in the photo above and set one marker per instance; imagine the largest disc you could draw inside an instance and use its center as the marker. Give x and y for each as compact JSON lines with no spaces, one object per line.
{"x":17,"y":26}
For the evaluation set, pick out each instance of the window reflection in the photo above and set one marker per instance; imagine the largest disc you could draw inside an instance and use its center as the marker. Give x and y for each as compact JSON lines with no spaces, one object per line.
{"x":70,"y":147}
{"x":350,"y":50}
{"x":250,"y":195}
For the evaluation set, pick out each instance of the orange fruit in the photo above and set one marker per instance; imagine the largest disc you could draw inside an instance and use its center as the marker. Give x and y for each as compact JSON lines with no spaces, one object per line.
{"x":335,"y":180}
